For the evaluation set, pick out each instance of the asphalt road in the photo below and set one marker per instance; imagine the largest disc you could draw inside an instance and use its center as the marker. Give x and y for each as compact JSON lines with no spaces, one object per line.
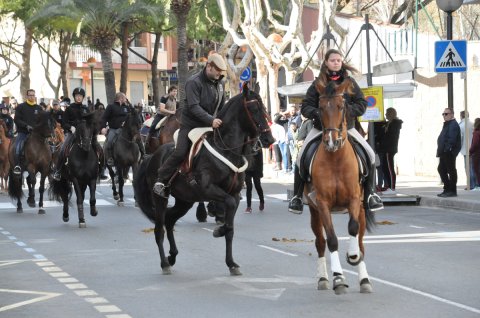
{"x":423,"y":262}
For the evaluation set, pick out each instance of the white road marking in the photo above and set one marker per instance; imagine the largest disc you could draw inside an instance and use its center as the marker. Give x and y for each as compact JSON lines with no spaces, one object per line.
{"x":44,"y":296}
{"x":107,"y":308}
{"x":277,"y":250}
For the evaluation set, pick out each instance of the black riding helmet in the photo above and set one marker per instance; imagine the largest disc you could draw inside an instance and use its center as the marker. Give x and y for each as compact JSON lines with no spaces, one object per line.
{"x":78,"y":90}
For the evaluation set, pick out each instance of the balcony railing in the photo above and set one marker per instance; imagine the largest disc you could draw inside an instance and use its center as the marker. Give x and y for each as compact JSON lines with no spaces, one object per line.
{"x":81,"y":54}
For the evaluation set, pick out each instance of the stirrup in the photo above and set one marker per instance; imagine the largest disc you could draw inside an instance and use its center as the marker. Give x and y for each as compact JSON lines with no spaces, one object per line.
{"x":17,"y":170}
{"x":160,"y":189}
{"x":110,"y":162}
{"x":374,"y":202}
{"x":57,"y":175}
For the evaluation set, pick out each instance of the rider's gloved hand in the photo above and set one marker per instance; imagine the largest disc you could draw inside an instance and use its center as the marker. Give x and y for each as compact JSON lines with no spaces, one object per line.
{"x":29,"y":128}
{"x":72,"y":129}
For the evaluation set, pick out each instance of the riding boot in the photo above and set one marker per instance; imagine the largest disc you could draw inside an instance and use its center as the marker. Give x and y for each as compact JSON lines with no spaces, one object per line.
{"x":373,"y":201}
{"x":108,"y":156}
{"x":296,"y":204}
{"x":17,"y":168}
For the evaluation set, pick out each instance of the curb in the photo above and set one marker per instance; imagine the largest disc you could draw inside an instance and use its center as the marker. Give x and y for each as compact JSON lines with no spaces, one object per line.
{"x":464,"y":204}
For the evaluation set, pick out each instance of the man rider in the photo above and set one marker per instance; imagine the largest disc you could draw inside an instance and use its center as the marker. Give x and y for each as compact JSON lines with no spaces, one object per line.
{"x":168,"y":106}
{"x":57,"y":112}
{"x":204,"y":95}
{"x":5,"y":116}
{"x":25,"y":118}
{"x":115,"y":115}
{"x":71,"y":117}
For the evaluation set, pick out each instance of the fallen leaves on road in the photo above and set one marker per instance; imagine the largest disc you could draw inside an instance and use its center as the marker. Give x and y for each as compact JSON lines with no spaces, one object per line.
{"x":287,"y":240}
{"x":385,"y":223}
{"x":148,"y":230}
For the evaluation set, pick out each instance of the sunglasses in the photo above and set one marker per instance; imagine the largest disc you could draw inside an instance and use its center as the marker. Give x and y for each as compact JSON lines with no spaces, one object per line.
{"x":445,"y":114}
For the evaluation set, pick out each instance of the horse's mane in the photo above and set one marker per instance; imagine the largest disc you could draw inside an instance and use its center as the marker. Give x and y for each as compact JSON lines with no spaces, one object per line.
{"x":330,"y":89}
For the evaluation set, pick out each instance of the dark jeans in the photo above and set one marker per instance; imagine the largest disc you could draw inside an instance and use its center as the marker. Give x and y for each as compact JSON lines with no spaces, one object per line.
{"x":258,"y":187}
{"x":155,"y":122}
{"x":448,"y":172}
{"x":166,"y":171}
{"x":19,"y":143}
{"x":388,"y":169}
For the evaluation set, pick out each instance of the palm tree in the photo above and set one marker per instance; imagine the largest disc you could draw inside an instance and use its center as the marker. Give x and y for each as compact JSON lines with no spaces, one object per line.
{"x":99,"y":22}
{"x":180,"y":9}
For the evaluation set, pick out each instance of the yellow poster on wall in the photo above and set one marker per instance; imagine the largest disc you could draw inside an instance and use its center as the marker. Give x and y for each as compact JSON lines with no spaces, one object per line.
{"x":374,"y":97}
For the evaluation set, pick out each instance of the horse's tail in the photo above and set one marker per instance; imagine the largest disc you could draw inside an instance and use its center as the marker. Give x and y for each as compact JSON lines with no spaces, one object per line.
{"x":15,"y":190}
{"x":143,"y":193}
{"x":59,"y":188}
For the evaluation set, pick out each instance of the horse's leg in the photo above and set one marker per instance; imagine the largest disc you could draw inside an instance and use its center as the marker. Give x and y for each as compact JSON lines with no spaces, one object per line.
{"x":65,"y":200}
{"x":134,"y":174}
{"x":320,"y":243}
{"x":201,"y":212}
{"x":227,"y":230}
{"x":171,"y":217}
{"x":121,"y":182}
{"x":160,"y":205}
{"x":93,"y":201}
{"x":41,"y":189}
{"x":339,"y":283}
{"x":80,"y":197}
{"x":112,"y":178}
{"x":31,"y":181}
{"x":355,"y":254}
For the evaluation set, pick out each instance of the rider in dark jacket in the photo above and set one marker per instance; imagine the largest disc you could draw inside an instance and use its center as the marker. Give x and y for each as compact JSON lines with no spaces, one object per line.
{"x":204,"y":95}
{"x":115,"y":116}
{"x":7,"y":119}
{"x":71,"y":117}
{"x":25,"y":118}
{"x":334,"y":69}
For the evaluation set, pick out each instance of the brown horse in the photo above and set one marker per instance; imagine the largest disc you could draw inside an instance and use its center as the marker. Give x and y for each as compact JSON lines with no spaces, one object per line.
{"x":4,"y":163}
{"x":336,"y":186}
{"x":38,"y":159}
{"x":165,"y":133}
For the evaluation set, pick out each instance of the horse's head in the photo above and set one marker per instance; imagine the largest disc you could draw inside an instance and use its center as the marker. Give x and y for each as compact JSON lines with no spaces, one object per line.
{"x":45,"y":126}
{"x":132,"y":123}
{"x":257,"y":117}
{"x":84,"y":132}
{"x":333,"y":113}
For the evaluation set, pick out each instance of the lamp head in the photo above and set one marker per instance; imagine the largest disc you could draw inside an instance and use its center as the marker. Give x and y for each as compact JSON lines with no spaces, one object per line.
{"x":449,"y":6}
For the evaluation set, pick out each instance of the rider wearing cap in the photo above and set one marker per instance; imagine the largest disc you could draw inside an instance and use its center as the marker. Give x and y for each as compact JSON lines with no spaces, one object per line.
{"x":25,"y":118}
{"x":5,"y":116}
{"x":72,"y":116}
{"x":204,"y":95}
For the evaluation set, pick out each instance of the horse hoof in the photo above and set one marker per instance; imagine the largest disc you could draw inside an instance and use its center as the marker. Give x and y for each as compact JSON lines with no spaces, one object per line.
{"x":120,"y":203}
{"x":82,"y":225}
{"x":202,"y":220}
{"x":41,"y":211}
{"x":339,"y":285}
{"x":32,"y":205}
{"x":219,"y":231}
{"x":19,"y":210}
{"x":116,"y":197}
{"x":365,"y":286}
{"x":136,"y":204}
{"x":235,"y":271}
{"x":167,"y":270}
{"x":94,"y":212}
{"x":66,"y":219}
{"x":323,"y":284}
{"x":354,"y":260}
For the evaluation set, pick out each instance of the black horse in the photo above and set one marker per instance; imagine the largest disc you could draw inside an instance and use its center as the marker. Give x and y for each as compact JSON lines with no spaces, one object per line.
{"x":81,"y":170}
{"x":37,"y":159}
{"x":243,"y":117}
{"x":125,"y":154}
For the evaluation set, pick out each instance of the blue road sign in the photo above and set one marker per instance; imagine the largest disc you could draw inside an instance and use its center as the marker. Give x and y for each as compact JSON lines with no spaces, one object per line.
{"x":450,"y":56}
{"x":246,"y":74}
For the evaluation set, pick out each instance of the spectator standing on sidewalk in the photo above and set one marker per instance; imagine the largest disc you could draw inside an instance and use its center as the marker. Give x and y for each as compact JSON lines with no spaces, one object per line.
{"x":448,"y":147}
{"x":464,"y":126}
{"x":390,"y":148}
{"x":279,"y":146}
{"x":254,"y":173}
{"x":475,"y":151}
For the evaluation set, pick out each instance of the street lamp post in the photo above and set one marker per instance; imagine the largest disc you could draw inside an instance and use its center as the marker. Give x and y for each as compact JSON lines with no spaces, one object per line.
{"x":91,"y":62}
{"x":449,"y":6}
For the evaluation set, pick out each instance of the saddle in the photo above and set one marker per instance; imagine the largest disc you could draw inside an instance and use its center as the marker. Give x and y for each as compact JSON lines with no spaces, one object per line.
{"x":305,"y":161}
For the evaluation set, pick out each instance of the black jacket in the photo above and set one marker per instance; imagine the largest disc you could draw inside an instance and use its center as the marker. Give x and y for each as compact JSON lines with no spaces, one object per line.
{"x":356,"y":104}
{"x":58,"y":115}
{"x":26,"y":115}
{"x":115,"y":115}
{"x":449,"y":139}
{"x":304,"y":129}
{"x":255,"y":165}
{"x":72,"y":115}
{"x":201,"y":100}
{"x":389,"y":143}
{"x":9,"y":123}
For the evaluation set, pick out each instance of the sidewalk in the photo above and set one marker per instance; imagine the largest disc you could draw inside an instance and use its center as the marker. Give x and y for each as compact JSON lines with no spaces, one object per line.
{"x":426,"y":188}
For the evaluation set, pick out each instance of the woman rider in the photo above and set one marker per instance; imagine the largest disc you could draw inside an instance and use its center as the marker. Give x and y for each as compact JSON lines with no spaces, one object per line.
{"x":335,"y":69}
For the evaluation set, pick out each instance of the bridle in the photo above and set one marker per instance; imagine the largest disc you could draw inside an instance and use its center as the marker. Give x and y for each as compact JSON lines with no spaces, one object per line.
{"x":340,"y":141}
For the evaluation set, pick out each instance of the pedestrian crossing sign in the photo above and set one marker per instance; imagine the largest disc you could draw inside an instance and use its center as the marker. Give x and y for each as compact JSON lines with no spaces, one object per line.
{"x":450,"y":56}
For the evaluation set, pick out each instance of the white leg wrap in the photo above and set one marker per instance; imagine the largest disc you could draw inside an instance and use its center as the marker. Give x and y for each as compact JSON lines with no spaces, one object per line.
{"x":353,"y":248}
{"x":362,"y":271}
{"x":335,"y":263}
{"x":322,"y":267}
